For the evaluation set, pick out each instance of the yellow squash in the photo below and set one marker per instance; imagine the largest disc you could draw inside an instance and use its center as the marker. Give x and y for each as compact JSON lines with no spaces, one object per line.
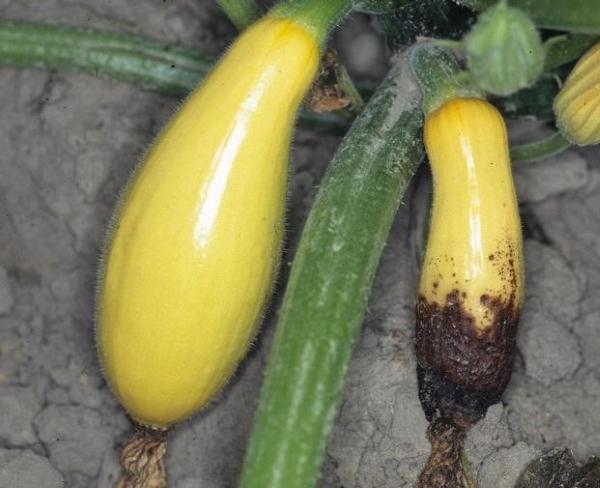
{"x":197,"y":235}
{"x":577,"y":106}
{"x":474,"y":241}
{"x":471,"y":287}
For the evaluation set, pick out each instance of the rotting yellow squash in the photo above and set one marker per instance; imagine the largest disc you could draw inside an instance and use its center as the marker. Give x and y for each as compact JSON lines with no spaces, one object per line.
{"x":471,"y":287}
{"x":577,"y":105}
{"x":196,"y":238}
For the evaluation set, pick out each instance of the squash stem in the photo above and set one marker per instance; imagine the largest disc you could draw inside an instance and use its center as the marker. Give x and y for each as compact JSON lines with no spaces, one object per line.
{"x":440,"y":77}
{"x":447,"y":464}
{"x":534,"y":151}
{"x":241,"y":12}
{"x":317,"y":16}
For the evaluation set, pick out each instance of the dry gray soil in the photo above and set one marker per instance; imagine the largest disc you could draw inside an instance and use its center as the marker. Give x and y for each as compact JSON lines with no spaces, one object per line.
{"x":67,"y":145}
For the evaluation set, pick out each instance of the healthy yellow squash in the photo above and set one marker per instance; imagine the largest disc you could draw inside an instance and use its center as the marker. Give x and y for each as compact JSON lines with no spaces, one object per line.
{"x":471,"y":287}
{"x":577,"y":106}
{"x":196,"y":239}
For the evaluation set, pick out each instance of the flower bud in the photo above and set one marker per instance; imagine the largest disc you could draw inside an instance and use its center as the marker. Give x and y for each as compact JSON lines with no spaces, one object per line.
{"x":577,"y":105}
{"x":504,"y":50}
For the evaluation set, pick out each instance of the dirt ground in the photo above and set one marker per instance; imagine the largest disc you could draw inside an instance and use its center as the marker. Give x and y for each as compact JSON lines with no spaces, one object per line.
{"x":67,"y":145}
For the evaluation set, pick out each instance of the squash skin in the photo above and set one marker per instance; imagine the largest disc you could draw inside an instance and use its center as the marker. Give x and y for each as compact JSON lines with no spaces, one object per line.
{"x":577,"y":105}
{"x":471,"y":287}
{"x":196,"y":238}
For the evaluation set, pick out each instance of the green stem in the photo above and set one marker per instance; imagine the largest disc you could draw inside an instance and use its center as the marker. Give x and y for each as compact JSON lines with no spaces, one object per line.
{"x":241,"y":12}
{"x":329,"y":286}
{"x":440,"y":77}
{"x":318,"y":16}
{"x":570,"y":15}
{"x":350,"y":90}
{"x":449,"y":44}
{"x":534,"y":151}
{"x":244,"y":12}
{"x":147,"y":64}
{"x":133,"y":59}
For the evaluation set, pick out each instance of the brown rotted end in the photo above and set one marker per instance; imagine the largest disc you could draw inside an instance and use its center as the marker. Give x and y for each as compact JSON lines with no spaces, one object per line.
{"x":447,"y":466}
{"x":443,"y":399}
{"x":142,"y":458}
{"x":462,"y":370}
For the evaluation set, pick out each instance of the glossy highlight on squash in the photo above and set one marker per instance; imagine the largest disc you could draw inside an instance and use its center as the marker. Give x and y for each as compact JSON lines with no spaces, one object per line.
{"x":196,"y":239}
{"x":471,"y":287}
{"x":577,"y":105}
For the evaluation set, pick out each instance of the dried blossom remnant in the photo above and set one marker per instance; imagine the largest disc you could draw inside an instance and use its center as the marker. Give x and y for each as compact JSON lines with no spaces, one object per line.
{"x":327,"y":95}
{"x":446,"y":466}
{"x":142,"y":459}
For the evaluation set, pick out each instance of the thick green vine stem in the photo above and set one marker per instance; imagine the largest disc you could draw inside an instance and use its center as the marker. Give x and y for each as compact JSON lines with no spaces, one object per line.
{"x":147,"y":64}
{"x":570,"y":15}
{"x":329,"y":286}
{"x":318,"y":16}
{"x":535,"y":151}
{"x":440,"y":77}
{"x":241,"y":12}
